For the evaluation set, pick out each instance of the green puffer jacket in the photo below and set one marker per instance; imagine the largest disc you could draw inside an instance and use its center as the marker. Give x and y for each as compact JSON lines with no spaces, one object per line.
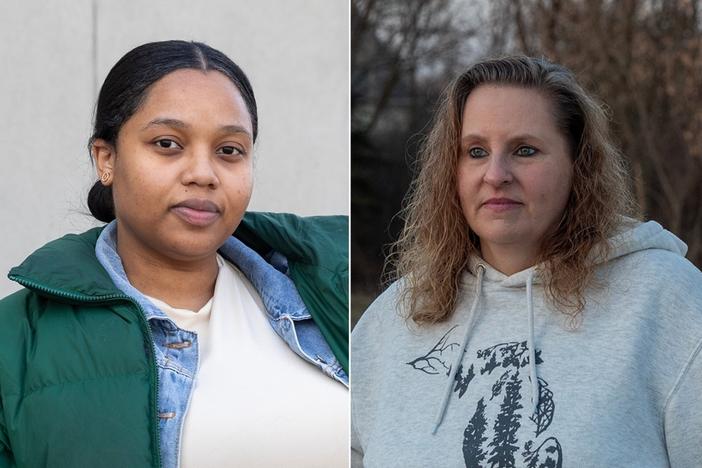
{"x":77,"y":371}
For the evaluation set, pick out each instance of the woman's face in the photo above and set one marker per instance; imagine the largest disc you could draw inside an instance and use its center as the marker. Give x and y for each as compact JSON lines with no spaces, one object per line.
{"x":182,"y":166}
{"x":514,"y":170}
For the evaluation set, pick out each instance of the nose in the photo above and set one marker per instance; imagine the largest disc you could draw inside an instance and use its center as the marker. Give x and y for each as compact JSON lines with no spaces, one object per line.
{"x":498,"y":171}
{"x":200,"y":169}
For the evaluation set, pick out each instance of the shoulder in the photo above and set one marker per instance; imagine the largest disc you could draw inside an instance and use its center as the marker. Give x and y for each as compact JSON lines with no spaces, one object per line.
{"x":18,"y":313}
{"x":375,"y":340}
{"x":646,"y":254}
{"x":23,"y":316}
{"x":14,"y":306}
{"x":382,"y":326}
{"x":268,"y":224}
{"x":73,"y":244}
{"x":660,"y":271}
{"x":311,"y":239}
{"x":56,"y":257}
{"x":656,"y":295}
{"x":385,"y":310}
{"x":661,"y":288}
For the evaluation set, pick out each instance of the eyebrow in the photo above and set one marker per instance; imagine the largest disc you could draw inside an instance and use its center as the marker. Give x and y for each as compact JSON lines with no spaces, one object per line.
{"x":520,"y":137}
{"x":175,"y":123}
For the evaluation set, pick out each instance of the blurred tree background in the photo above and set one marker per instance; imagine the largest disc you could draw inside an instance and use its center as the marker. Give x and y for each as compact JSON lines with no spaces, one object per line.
{"x":643,"y":58}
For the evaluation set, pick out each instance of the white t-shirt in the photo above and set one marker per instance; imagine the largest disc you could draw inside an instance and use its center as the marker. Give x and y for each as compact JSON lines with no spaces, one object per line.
{"x":255,"y":402}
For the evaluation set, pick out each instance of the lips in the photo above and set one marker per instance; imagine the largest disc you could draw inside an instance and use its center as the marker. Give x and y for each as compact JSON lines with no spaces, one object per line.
{"x":501,"y":204}
{"x":197,"y":212}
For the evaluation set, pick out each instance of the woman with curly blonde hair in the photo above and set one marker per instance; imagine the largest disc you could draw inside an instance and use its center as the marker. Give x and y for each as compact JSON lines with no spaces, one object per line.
{"x":535,"y":321}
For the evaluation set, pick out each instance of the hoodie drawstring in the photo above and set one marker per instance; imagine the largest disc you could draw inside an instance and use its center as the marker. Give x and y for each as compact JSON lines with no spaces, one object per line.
{"x":459,"y":356}
{"x":532,"y":347}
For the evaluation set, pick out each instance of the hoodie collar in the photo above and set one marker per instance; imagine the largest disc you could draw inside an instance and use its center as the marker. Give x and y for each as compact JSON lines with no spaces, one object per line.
{"x":491,"y":275}
{"x":630,"y":236}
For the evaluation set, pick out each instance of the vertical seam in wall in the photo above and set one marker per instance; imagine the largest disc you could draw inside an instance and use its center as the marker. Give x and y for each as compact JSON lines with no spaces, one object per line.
{"x":94,"y":39}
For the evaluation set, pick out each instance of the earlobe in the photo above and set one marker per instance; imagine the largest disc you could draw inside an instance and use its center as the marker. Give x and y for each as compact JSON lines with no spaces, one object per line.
{"x":103,"y":155}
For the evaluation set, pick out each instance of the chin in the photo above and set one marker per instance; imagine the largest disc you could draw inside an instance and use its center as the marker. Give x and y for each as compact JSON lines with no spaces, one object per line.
{"x":188,"y":246}
{"x":502,"y":235}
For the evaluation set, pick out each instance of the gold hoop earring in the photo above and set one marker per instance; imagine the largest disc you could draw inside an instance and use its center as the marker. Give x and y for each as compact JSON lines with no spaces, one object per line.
{"x":106,"y":177}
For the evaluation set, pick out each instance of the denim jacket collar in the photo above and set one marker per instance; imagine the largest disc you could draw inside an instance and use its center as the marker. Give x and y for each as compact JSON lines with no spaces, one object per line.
{"x":286,"y":311}
{"x":106,"y":252}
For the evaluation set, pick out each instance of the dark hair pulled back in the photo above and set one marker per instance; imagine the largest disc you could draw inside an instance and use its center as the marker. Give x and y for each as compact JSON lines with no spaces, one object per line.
{"x":126,"y":88}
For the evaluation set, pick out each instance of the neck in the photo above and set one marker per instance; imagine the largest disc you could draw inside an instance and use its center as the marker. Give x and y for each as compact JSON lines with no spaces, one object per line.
{"x":509,"y":259}
{"x":183,"y":284}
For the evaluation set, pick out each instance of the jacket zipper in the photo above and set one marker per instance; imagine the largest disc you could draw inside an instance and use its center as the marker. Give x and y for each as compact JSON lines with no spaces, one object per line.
{"x":145,"y":326}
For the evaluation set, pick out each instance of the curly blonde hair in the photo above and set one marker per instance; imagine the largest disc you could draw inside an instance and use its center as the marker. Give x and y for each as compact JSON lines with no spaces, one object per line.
{"x":436,"y":242}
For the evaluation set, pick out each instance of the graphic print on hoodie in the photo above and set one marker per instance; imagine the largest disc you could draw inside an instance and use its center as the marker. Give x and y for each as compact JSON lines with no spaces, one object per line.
{"x":620,"y":390}
{"x":494,"y":442}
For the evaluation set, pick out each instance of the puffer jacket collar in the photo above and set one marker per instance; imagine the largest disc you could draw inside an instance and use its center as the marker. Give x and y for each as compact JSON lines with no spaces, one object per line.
{"x":67,"y":270}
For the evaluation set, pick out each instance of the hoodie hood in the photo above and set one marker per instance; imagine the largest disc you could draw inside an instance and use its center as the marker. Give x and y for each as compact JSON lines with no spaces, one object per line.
{"x":634,"y":236}
{"x":631,"y":237}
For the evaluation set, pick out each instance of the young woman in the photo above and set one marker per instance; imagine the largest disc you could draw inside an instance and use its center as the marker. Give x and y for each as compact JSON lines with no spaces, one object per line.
{"x":160,"y":339}
{"x":534,"y":322}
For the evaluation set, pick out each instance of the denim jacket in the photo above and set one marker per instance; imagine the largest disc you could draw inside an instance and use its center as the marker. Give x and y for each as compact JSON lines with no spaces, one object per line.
{"x":176,"y":350}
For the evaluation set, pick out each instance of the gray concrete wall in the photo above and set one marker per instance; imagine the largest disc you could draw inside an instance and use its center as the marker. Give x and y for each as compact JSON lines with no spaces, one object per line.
{"x":54,"y":56}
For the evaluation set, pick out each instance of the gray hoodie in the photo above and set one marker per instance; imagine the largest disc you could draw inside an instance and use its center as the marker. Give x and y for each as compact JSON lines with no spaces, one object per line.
{"x":506,"y":383}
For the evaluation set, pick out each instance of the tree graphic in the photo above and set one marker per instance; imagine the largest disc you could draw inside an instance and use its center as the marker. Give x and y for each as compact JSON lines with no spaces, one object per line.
{"x":506,"y":355}
{"x":506,"y":358}
{"x":506,"y":426}
{"x":434,"y":362}
{"x":462,"y":381}
{"x":497,"y":386}
{"x":473,"y":437}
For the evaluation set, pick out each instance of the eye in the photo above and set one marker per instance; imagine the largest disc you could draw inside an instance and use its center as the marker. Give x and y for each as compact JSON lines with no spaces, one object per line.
{"x":526,"y":151}
{"x":167,"y":143}
{"x":477,"y":153}
{"x":231,"y":151}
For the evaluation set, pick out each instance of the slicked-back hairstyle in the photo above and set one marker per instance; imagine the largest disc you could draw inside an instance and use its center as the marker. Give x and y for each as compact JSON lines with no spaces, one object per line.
{"x":436,"y":242}
{"x":127,"y":86}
